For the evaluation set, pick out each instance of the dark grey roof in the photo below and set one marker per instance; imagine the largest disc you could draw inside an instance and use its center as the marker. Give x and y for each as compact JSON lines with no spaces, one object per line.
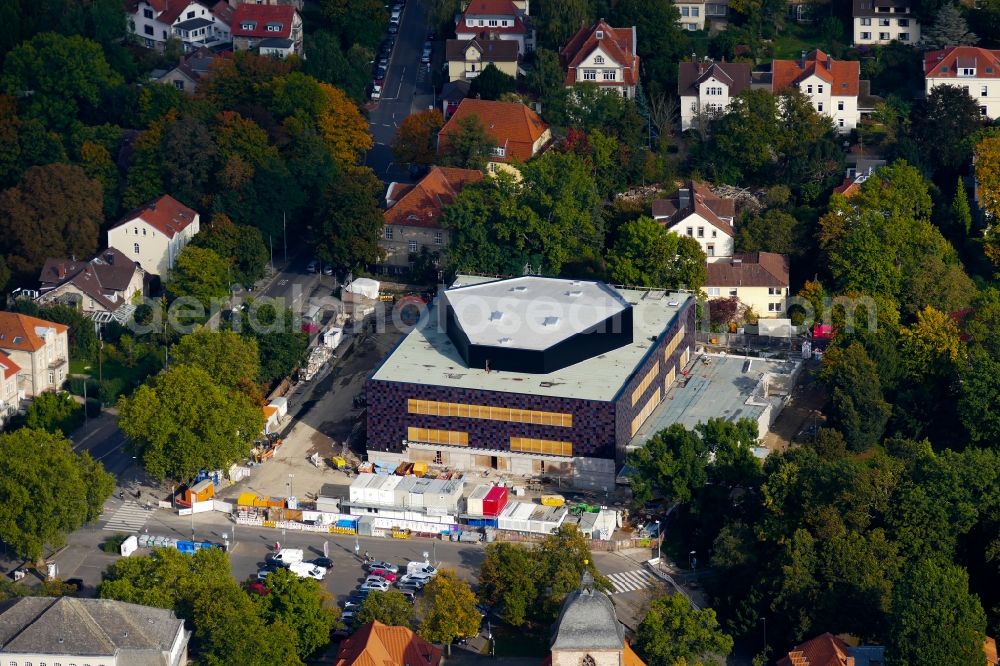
{"x":588,"y":622}
{"x":492,"y":50}
{"x":193,"y":24}
{"x":100,"y":278}
{"x":867,"y":7}
{"x":276,"y":43}
{"x":735,"y":74}
{"x":88,"y":627}
{"x":455,"y":91}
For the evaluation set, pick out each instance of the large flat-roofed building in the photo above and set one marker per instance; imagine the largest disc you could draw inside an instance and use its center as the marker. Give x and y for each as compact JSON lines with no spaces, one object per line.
{"x":529,"y":375}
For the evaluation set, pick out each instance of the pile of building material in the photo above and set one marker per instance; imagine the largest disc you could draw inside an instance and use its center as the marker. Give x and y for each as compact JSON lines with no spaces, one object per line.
{"x":317,"y":359}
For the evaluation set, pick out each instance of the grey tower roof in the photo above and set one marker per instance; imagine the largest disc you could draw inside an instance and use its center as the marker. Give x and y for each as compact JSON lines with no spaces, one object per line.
{"x":588,"y":621}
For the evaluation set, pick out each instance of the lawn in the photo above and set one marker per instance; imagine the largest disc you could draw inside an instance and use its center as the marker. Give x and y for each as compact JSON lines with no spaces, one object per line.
{"x":799,"y":37}
{"x":117,"y":377}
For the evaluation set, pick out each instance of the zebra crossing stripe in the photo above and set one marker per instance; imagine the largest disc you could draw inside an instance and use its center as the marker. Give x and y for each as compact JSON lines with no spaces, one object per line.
{"x":130,"y":517}
{"x":629,"y":581}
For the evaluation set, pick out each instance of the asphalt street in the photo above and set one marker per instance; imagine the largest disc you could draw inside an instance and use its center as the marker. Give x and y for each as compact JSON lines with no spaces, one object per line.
{"x":408,"y":88}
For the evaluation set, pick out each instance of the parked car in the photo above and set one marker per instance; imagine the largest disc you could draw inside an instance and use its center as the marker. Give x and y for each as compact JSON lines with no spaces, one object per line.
{"x":419,"y":578}
{"x":306,"y":570}
{"x":374,"y":585}
{"x":410,"y":587}
{"x":383,"y":61}
{"x":379,"y":564}
{"x":431,"y":34}
{"x":397,"y":13}
{"x":425,"y":57}
{"x":358,"y":595}
{"x":347,"y":617}
{"x":376,"y":91}
{"x":259,"y":588}
{"x":313,"y":266}
{"x":393,"y":28}
{"x":324,"y":562}
{"x":383,"y":574}
{"x":265,"y":571}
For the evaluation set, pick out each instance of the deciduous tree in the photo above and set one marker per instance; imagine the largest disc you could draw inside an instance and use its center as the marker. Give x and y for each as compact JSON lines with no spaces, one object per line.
{"x":48,"y":490}
{"x":303,"y":605}
{"x":672,"y":631}
{"x":507,"y":578}
{"x":558,"y":20}
{"x":491,"y":83}
{"x":242,"y":245}
{"x":469,"y":146}
{"x":199,"y":273}
{"x":231,"y":360}
{"x":449,"y":609}
{"x":942,"y":123}
{"x":648,"y":255}
{"x":389,"y":607}
{"x":54,"y":412}
{"x":773,"y":231}
{"x":856,"y":406}
{"x":416,"y":138}
{"x":349,"y":220}
{"x":183,"y":422}
{"x":54,"y":211}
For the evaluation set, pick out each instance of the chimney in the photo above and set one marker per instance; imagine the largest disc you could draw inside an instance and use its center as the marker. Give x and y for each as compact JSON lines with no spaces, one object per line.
{"x":737,"y":262}
{"x":803,"y":58}
{"x":61,"y":270}
{"x":110,"y":258}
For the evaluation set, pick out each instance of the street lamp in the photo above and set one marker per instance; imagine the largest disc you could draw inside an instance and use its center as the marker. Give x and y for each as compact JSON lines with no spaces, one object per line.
{"x":659,"y":542}
{"x":290,"y":477}
{"x":692,"y":560}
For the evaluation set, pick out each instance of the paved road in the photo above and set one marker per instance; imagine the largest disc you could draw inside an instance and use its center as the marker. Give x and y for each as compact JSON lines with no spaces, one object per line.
{"x":408,"y":88}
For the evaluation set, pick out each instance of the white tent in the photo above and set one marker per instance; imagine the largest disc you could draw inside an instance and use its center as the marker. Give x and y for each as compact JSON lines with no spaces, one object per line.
{"x":364,"y":287}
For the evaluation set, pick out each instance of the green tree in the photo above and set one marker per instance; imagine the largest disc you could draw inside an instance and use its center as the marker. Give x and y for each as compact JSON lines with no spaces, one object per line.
{"x":856,"y":406}
{"x":350,"y":221}
{"x":389,"y":607}
{"x":558,"y":20}
{"x":280,"y":340}
{"x":648,"y":255}
{"x":54,"y":412}
{"x":949,"y":29}
{"x":448,"y":609}
{"x":59,"y":79}
{"x":24,"y":143}
{"x":303,"y":605}
{"x":773,"y":231}
{"x":961,"y":216}
{"x":199,"y":273}
{"x":935,"y":620}
{"x":980,"y":391}
{"x":547,"y":80}
{"x":664,"y":43}
{"x":947,"y":117}
{"x":416,"y":138}
{"x":230,"y":630}
{"x":563,"y":557}
{"x":231,"y":360}
{"x":188,"y":159}
{"x":507,"y":578}
{"x":672,"y":630}
{"x":491,"y":83}
{"x":54,"y":211}
{"x":4,"y":275}
{"x":243,"y":245}
{"x":469,"y":146}
{"x":48,"y":490}
{"x":184,"y":422}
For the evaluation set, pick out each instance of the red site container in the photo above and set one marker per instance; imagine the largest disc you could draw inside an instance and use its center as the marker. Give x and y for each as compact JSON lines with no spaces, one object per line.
{"x":495,"y":501}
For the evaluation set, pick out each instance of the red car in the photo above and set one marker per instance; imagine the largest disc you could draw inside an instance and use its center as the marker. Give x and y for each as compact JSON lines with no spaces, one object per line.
{"x":258,"y":588}
{"x":388,"y":575}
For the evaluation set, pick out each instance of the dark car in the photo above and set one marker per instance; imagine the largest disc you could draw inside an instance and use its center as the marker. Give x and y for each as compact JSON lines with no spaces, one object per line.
{"x":393,"y":28}
{"x":324,"y":562}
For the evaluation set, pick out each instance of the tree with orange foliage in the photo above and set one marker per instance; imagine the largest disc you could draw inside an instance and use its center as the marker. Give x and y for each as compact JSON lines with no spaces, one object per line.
{"x":987,"y":161}
{"x":344,"y":129}
{"x":416,"y":138}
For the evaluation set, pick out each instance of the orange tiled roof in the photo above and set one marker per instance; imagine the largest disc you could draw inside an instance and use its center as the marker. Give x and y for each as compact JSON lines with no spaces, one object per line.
{"x":422,"y":205}
{"x":618,"y":43}
{"x":376,"y":644}
{"x":842,"y":75}
{"x":824,"y":650}
{"x":9,"y":367}
{"x":167,"y":215}
{"x":946,"y":62}
{"x":511,"y":124}
{"x":749,"y":269}
{"x":990,"y":648}
{"x":261,"y":15}
{"x":17,"y":331}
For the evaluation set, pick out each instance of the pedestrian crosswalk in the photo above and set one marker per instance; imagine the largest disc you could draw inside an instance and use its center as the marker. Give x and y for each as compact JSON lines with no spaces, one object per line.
{"x":130,"y":517}
{"x":628,"y":581}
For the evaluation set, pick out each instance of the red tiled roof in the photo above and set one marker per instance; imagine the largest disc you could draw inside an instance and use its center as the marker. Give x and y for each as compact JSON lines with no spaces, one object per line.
{"x":423,"y":204}
{"x":842,"y":75}
{"x":749,"y":269}
{"x":376,"y":644}
{"x":223,"y":11}
{"x":8,"y":366}
{"x":167,"y":215}
{"x":618,"y":43}
{"x":261,"y":15}
{"x":511,"y":124}
{"x":935,"y":61}
{"x":711,"y":207}
{"x":498,"y":8}
{"x":167,"y":10}
{"x":824,"y":650}
{"x":17,"y":331}
{"x":848,"y":188}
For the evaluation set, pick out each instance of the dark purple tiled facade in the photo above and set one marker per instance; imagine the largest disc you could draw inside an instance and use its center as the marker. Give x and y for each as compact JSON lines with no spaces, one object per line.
{"x":600,"y":428}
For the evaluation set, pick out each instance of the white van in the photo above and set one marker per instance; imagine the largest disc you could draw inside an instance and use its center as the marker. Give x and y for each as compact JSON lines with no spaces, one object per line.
{"x":288,"y":556}
{"x":307,"y":570}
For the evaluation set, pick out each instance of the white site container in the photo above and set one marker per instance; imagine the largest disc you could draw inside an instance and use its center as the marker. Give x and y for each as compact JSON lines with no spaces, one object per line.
{"x":369,"y":494}
{"x":474,"y":503}
{"x":358,"y":487}
{"x":402,"y":491}
{"x":387,"y":491}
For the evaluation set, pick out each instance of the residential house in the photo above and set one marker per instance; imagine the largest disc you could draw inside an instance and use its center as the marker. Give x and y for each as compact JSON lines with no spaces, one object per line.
{"x":10,"y":394}
{"x":970,"y":67}
{"x":828,"y":650}
{"x":377,"y":643}
{"x":68,"y":630}
{"x":502,"y":19}
{"x":885,"y":21}
{"x":699,"y":14}
{"x":298,"y":4}
{"x":467,"y":58}
{"x":706,"y":88}
{"x":856,"y":175}
{"x":106,"y":285}
{"x":189,"y":71}
{"x":39,"y":348}
{"x":588,"y":631}
{"x":698,"y":213}
{"x":831,"y":85}
{"x":197,"y":25}
{"x":758,"y":279}
{"x":413,"y":214}
{"x":452,"y":94}
{"x":274,"y":30}
{"x":604,"y":56}
{"x":155,"y":234}
{"x":519,"y":132}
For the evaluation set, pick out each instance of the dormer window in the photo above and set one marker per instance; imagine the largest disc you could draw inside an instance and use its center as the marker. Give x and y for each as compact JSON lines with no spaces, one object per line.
{"x":249,"y":25}
{"x":499,"y":151}
{"x":599,"y":34}
{"x":274,"y":27}
{"x":598,"y":60}
{"x":967,"y":71}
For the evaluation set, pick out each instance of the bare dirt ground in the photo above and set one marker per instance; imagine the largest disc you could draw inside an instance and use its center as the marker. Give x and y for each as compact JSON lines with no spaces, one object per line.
{"x":801,"y":411}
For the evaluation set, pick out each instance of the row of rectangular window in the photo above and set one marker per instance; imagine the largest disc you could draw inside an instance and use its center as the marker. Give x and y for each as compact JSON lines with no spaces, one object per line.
{"x":434,"y":436}
{"x":646,"y":410}
{"x":885,"y":36}
{"x":591,"y":75}
{"x":674,"y":343}
{"x":690,"y":11}
{"x":388,"y":233}
{"x":885,"y":23}
{"x":549,"y":447}
{"x":644,"y":384}
{"x":492,"y":23}
{"x":489,"y":413}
